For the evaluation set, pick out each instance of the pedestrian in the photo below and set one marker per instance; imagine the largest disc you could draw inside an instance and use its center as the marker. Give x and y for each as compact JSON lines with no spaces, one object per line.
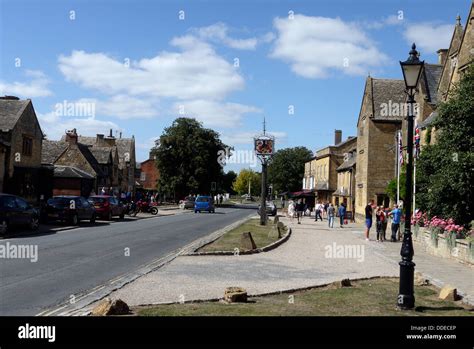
{"x":102,"y":191}
{"x":330,"y":213}
{"x":380,"y":219}
{"x":396,"y":215}
{"x":342,"y":214}
{"x":317,"y":212}
{"x":291,"y":210}
{"x":282,"y":202}
{"x":299,"y":210}
{"x":368,"y":218}
{"x":221,"y":198}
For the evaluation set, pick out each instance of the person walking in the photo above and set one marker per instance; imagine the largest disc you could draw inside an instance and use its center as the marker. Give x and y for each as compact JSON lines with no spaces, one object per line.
{"x":380,"y":219}
{"x":291,"y":209}
{"x":368,"y":218}
{"x":317,"y":212}
{"x":342,"y":214}
{"x":299,"y":210}
{"x":396,"y":215}
{"x":331,"y":212}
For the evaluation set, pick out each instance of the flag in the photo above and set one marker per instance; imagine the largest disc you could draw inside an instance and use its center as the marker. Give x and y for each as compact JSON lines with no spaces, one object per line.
{"x":400,"y":148}
{"x":416,"y":142}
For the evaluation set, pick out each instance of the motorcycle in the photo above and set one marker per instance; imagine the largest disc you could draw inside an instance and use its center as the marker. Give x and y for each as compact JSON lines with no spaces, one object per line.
{"x":142,"y":206}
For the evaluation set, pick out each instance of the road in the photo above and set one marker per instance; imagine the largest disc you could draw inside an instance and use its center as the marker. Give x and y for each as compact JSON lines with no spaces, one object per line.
{"x":74,"y":261}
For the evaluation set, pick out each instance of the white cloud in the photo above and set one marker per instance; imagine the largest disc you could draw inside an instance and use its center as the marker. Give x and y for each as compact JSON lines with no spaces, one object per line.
{"x":316,"y":46}
{"x":123,"y":107}
{"x":55,"y":126}
{"x":36,"y":87}
{"x":218,"y":33}
{"x":429,"y":37}
{"x":196,"y":71}
{"x":246,"y":138}
{"x":213,"y":113}
{"x":391,"y":20}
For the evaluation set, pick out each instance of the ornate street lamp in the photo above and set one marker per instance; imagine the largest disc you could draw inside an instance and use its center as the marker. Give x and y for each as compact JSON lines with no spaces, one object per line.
{"x":412,"y":69}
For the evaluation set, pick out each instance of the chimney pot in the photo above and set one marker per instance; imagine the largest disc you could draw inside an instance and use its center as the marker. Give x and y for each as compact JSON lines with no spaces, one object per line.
{"x":337,"y":137}
{"x":442,"y":55}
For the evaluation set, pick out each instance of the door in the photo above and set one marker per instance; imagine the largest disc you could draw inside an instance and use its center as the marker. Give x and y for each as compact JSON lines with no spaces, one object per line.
{"x":11,"y":210}
{"x":86,"y":208}
{"x":23,"y":211}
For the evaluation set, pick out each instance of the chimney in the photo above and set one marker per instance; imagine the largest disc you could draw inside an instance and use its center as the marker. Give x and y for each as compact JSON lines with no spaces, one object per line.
{"x":99,"y":140}
{"x":442,"y":55}
{"x":71,"y":136}
{"x":120,"y":134}
{"x":110,"y":134}
{"x":337,"y":137}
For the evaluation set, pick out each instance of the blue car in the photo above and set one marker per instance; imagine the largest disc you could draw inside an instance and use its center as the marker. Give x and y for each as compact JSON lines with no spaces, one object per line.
{"x":204,"y":203}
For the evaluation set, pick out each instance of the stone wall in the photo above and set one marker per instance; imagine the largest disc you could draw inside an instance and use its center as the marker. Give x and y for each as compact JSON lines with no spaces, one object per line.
{"x":441,"y":247}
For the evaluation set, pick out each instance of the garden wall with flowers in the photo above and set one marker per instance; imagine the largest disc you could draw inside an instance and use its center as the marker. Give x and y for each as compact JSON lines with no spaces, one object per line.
{"x":443,"y":237}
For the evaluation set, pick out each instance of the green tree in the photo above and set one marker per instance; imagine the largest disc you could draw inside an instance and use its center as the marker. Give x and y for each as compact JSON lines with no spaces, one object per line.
{"x":445,"y":169}
{"x":392,"y":186}
{"x":286,"y":170}
{"x":241,"y":183}
{"x":228,"y":181}
{"x":187,"y":158}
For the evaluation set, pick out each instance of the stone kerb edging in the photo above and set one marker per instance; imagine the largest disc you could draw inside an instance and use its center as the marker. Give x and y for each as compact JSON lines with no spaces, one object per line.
{"x":267,"y":248}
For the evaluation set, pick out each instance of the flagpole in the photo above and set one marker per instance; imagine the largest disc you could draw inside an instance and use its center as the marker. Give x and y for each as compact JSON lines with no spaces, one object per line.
{"x":398,"y":167}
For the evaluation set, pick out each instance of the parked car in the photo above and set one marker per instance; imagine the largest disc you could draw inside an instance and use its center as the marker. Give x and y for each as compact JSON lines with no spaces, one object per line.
{"x":247,"y":197}
{"x":15,"y":211}
{"x":107,"y":206}
{"x":204,"y":203}
{"x":270,"y":208}
{"x":71,"y":209}
{"x":189,"y":202}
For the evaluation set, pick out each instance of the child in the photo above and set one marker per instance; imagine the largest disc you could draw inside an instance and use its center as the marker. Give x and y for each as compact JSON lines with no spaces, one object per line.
{"x":380,"y":219}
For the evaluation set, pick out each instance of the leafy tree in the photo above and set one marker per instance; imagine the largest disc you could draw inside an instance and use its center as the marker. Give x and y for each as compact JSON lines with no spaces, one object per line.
{"x":187,"y":158}
{"x":445,"y":169}
{"x":228,"y":181}
{"x":241,"y":183}
{"x":286,"y":170}
{"x":392,"y":186}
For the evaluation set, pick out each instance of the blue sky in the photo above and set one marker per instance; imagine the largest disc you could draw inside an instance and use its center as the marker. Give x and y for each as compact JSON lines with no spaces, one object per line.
{"x":228,"y":63}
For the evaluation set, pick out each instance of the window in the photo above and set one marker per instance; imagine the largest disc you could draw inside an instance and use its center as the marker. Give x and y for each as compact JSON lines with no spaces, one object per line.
{"x":27,"y":148}
{"x":22,"y":204}
{"x":8,"y":202}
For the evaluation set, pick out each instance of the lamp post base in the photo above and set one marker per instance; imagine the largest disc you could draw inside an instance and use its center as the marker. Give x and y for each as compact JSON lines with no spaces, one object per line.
{"x":406,"y":297}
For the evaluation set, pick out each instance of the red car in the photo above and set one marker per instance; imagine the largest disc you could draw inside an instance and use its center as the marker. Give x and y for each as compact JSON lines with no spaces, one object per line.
{"x":107,"y":206}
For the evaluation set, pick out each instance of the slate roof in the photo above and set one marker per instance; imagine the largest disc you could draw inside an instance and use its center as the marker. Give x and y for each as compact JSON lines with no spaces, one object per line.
{"x":70,"y":172}
{"x":349,"y":163}
{"x":384,"y":91}
{"x":102,"y":154}
{"x":10,"y":112}
{"x":124,"y":145}
{"x":432,"y":74}
{"x":428,"y":121}
{"x":85,"y":150}
{"x":51,"y":151}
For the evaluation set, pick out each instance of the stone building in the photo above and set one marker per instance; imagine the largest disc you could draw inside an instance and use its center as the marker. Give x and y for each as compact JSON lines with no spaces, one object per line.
{"x":321,"y":171}
{"x":149,"y":174}
{"x":380,"y":117}
{"x":20,"y":150}
{"x":454,"y":61}
{"x":346,"y":172}
{"x":125,"y":148}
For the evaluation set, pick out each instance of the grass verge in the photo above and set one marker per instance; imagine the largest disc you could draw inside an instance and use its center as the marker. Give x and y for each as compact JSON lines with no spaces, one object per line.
{"x":375,"y":297}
